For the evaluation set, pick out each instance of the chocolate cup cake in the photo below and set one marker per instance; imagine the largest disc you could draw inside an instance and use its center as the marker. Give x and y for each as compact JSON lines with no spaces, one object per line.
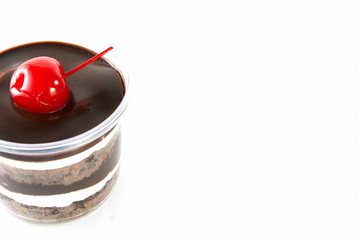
{"x":58,"y":166}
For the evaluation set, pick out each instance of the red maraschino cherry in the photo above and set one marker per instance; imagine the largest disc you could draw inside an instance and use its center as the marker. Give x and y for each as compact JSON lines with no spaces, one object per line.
{"x":39,"y":84}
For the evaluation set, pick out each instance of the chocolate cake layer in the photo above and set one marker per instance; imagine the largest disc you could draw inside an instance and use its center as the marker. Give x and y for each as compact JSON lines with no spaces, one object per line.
{"x":60,"y":213}
{"x":95,"y":92}
{"x":87,"y":171}
{"x":38,"y":189}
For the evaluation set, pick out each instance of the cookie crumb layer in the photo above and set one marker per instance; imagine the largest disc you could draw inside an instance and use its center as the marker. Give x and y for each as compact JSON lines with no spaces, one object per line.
{"x":57,"y":214}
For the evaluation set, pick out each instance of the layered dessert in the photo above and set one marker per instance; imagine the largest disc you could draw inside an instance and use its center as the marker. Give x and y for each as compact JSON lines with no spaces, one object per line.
{"x":60,"y":165}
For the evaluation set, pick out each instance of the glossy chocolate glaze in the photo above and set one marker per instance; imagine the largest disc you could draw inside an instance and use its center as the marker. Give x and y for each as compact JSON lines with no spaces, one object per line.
{"x":95,"y":92}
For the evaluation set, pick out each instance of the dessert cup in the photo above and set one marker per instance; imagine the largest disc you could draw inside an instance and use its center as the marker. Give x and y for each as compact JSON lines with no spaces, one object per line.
{"x":61,"y":180}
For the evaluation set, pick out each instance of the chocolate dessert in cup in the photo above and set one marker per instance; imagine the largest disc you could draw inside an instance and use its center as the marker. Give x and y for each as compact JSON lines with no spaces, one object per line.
{"x":59,"y":165}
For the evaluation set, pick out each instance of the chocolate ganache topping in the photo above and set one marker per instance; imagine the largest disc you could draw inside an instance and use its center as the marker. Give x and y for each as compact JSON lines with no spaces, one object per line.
{"x":95,"y":92}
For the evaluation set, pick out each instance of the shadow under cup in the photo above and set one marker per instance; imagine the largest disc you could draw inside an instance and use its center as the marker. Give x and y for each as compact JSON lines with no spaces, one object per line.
{"x":73,"y":176}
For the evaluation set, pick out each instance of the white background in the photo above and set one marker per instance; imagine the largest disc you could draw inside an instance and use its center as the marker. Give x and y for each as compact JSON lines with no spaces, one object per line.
{"x":243,"y":121}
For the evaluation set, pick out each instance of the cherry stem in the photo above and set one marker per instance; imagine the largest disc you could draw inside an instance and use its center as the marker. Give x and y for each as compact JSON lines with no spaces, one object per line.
{"x":87,"y":62}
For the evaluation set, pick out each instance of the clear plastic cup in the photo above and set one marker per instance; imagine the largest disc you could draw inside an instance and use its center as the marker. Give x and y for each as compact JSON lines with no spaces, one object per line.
{"x":74,"y":176}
